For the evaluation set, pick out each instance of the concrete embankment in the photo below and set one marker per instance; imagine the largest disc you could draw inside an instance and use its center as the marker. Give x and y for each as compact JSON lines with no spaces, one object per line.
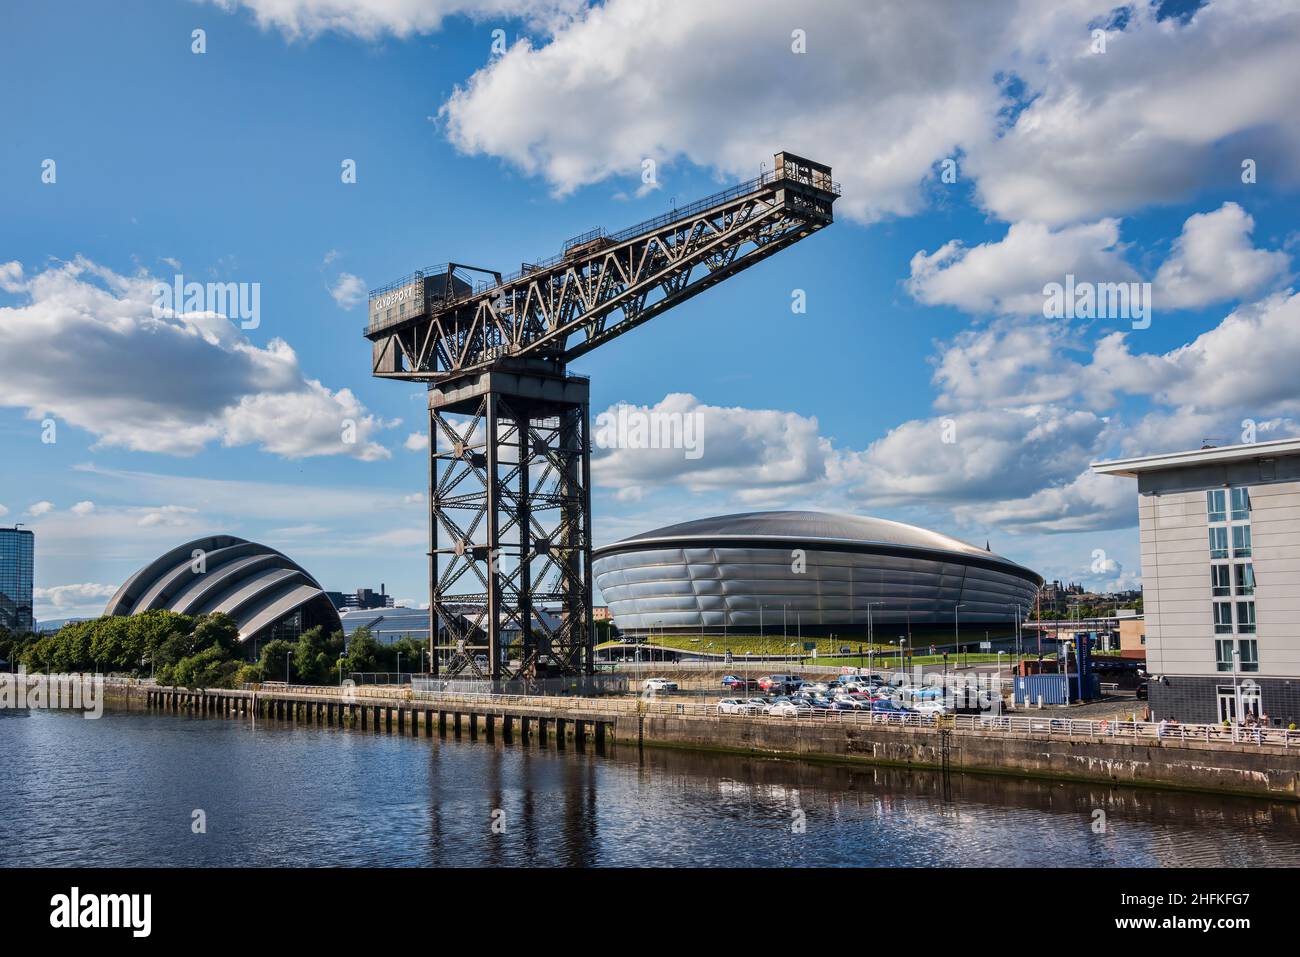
{"x":1185,"y":765}
{"x":1268,"y":772}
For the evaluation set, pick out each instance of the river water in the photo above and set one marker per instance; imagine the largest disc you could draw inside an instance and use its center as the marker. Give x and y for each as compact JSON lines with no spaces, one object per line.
{"x":125,"y":789}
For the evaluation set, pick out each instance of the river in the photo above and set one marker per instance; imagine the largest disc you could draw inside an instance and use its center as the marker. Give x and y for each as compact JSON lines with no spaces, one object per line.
{"x":125,"y":789}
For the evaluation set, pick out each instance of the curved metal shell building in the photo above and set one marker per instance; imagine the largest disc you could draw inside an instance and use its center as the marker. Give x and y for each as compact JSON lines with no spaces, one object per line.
{"x":267,"y":593}
{"x":817,"y":569}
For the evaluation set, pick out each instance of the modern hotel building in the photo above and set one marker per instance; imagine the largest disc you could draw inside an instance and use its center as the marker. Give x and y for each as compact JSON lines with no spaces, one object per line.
{"x":17,"y":546}
{"x":1220,"y":536}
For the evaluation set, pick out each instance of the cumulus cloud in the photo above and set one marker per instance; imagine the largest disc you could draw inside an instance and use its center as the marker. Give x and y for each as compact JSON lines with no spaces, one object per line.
{"x":1246,"y":362}
{"x":179,"y":382}
{"x":83,"y":508}
{"x":416,"y":442}
{"x":1214,"y":260}
{"x":1088,"y":502}
{"x":3,"y":511}
{"x":41,"y":508}
{"x":1008,"y":276}
{"x":348,"y":291}
{"x":1048,"y":131}
{"x":70,"y":600}
{"x":372,"y":19}
{"x":1173,"y":105}
{"x":758,"y":453}
{"x":983,"y":455}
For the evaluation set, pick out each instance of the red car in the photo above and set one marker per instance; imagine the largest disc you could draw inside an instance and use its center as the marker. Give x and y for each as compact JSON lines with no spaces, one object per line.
{"x":736,"y":683}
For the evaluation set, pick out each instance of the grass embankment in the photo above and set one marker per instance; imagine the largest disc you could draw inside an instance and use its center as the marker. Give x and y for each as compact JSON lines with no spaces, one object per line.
{"x":829,"y":651}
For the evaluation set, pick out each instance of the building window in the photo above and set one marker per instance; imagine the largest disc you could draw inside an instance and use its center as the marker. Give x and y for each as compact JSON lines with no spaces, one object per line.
{"x":1246,"y":617}
{"x":1214,"y":505}
{"x":1218,"y":543}
{"x":1223,"y":654}
{"x":1245,"y":575}
{"x":1241,"y":541}
{"x":1249,"y":650}
{"x":1220,"y":581}
{"x":1223,"y":617}
{"x":1240,"y":504}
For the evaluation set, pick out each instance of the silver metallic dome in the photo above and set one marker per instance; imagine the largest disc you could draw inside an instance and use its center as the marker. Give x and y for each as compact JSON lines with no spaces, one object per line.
{"x":819,"y":569}
{"x":257,"y":586}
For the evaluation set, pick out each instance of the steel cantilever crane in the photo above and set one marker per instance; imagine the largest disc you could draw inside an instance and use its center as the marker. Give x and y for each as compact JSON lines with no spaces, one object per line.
{"x":509,"y":476}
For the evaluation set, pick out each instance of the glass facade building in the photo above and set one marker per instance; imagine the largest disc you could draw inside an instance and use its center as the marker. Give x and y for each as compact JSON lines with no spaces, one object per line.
{"x":17,"y":546}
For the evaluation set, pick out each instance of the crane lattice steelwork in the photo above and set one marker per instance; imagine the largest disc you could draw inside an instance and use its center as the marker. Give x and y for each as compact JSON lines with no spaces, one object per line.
{"x":509,"y":450}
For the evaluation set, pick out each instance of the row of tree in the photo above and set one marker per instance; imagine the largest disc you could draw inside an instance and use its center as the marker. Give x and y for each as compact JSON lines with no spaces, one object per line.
{"x":201,"y":651}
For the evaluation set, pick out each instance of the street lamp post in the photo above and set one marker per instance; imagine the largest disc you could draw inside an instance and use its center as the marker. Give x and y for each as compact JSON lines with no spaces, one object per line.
{"x":287,"y":658}
{"x":956,"y":632}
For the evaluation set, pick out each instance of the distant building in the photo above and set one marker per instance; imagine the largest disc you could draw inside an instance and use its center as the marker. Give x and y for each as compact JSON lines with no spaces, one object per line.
{"x":362,"y":599}
{"x":601,"y":613}
{"x":1132,"y":636}
{"x":17,"y":549}
{"x":1220,"y":536}
{"x":388,"y":625}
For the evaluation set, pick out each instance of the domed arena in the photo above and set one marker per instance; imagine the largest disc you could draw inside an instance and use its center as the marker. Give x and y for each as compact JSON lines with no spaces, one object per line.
{"x":765,"y":571}
{"x":267,"y":594}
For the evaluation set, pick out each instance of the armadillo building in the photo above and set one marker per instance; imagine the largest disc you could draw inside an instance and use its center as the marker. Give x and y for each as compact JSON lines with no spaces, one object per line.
{"x":769,"y":570}
{"x":267,"y":594}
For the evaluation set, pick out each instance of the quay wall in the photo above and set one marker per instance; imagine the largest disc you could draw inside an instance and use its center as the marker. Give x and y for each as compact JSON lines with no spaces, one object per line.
{"x":1184,"y":764}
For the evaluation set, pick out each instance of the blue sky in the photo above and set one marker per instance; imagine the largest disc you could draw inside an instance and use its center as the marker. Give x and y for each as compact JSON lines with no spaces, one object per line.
{"x":923,"y":300}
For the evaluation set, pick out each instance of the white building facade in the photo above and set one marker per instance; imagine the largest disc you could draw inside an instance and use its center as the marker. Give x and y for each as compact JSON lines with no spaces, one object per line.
{"x":1220,"y":538}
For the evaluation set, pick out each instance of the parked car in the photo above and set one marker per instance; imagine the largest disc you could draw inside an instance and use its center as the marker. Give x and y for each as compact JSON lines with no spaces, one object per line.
{"x":731,"y":706}
{"x":1142,"y":691}
{"x":736,"y":683}
{"x":888,"y":706}
{"x":776,"y":684}
{"x":658,"y":684}
{"x":753,"y":706}
{"x":788,"y":709}
{"x":931,"y":707}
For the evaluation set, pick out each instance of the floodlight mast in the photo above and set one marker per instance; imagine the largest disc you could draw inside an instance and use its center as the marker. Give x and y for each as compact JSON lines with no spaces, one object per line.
{"x":509,"y":450}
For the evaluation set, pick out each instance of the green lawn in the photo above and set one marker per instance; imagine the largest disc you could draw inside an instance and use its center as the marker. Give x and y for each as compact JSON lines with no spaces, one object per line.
{"x":827,"y":650}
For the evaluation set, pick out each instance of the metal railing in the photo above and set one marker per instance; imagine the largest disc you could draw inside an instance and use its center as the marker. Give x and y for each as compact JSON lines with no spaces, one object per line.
{"x":1031,"y":725}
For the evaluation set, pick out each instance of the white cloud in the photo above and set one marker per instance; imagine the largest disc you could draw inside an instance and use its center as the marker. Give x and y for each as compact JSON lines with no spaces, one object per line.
{"x":11,"y":277}
{"x":1247,"y":362}
{"x":84,"y":599}
{"x":1008,"y":276}
{"x":887,"y":91}
{"x":1088,"y":502}
{"x":83,"y":508}
{"x":41,"y":508}
{"x":172,"y":516}
{"x":179,"y":383}
{"x":349,"y":291}
{"x":416,"y":442}
{"x":1170,"y":108}
{"x":3,"y":511}
{"x":1214,"y":260}
{"x":372,"y":19}
{"x":757,"y":453}
{"x":984,"y":455}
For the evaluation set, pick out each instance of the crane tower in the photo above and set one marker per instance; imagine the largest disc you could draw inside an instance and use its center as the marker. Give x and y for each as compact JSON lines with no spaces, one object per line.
{"x":509,"y":491}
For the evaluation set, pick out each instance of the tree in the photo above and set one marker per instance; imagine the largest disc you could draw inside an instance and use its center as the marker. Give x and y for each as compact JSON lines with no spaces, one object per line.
{"x":275,"y":656}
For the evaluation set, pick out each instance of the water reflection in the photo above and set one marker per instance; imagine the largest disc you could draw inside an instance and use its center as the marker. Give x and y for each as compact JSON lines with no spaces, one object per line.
{"x":121,"y":791}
